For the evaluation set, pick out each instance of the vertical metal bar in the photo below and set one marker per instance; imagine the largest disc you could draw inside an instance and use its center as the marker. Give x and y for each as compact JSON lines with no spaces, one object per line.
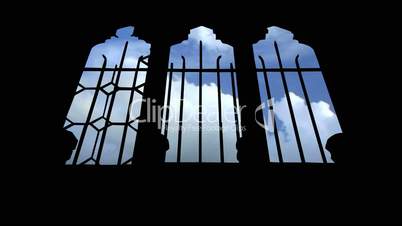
{"x":271,"y":110}
{"x":98,"y":132}
{"x":123,"y":141}
{"x":168,"y":99}
{"x":310,"y":110}
{"x":96,"y":141}
{"x":107,"y":96}
{"x":113,"y":96}
{"x":181,"y":110}
{"x":200,"y":108}
{"x":91,"y":109}
{"x":235,"y":107}
{"x":218,"y":74}
{"x":296,"y":131}
{"x":103,"y":115}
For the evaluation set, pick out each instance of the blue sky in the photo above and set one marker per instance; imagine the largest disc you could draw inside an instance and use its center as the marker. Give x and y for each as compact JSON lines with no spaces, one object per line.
{"x":323,"y":110}
{"x":212,"y":48}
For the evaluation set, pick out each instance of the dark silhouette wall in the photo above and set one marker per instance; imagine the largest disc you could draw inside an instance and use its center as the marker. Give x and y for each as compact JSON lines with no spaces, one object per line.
{"x":60,"y":39}
{"x":234,"y":30}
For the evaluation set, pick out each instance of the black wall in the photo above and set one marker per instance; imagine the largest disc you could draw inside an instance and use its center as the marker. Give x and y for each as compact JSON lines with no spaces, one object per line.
{"x":52,"y":42}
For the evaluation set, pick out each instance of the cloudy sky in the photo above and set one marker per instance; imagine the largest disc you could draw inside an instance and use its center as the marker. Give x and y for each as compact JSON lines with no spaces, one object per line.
{"x":212,"y":48}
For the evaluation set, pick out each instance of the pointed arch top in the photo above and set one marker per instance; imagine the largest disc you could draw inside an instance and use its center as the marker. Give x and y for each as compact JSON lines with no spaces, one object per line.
{"x":211,"y":47}
{"x":289,"y":49}
{"x":112,"y":48}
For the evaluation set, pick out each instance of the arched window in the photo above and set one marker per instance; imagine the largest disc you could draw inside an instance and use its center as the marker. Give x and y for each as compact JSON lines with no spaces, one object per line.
{"x":298,"y":113}
{"x":201,"y":109}
{"x":201,"y":123}
{"x":108,"y":100}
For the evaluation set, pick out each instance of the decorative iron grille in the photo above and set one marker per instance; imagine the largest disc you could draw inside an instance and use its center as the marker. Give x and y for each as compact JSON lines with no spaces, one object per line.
{"x":89,"y":151}
{"x":298,"y":76}
{"x":184,"y":72}
{"x":101,"y":131}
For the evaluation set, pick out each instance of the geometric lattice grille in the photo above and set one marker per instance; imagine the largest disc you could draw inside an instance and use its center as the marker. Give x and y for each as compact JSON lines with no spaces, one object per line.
{"x":104,"y":111}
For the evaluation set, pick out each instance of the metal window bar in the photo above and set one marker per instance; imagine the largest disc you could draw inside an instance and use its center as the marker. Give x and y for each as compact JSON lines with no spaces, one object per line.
{"x":107,"y":109}
{"x":183,"y":70}
{"x":98,"y":131}
{"x":107,"y":123}
{"x":113,"y":96}
{"x":128,"y":69}
{"x":310,"y":110}
{"x":292,"y":115}
{"x":133,"y":88}
{"x":235,"y":106}
{"x":200,"y":108}
{"x":128,"y":114}
{"x":271,"y":111}
{"x":218,"y":75}
{"x":169,"y":90}
{"x":181,"y":110}
{"x":299,"y":71}
{"x":91,"y":109}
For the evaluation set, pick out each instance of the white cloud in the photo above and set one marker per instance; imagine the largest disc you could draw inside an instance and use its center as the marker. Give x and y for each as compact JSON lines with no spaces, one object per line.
{"x":80,"y":106}
{"x":327,"y":124}
{"x":210,"y":133}
{"x":326,"y":119}
{"x":113,"y":49}
{"x":289,"y":48}
{"x":212,"y":48}
{"x":208,"y":38}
